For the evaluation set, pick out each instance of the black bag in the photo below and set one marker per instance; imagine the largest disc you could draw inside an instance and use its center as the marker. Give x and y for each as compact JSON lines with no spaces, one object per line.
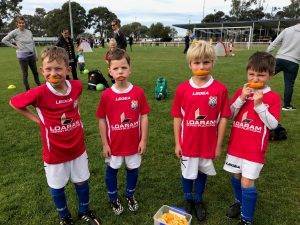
{"x":278,"y":134}
{"x":96,"y":77}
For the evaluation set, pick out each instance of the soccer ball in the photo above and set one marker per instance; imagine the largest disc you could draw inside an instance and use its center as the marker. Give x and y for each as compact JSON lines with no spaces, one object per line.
{"x":86,"y":71}
{"x":100,"y":87}
{"x":232,"y":54}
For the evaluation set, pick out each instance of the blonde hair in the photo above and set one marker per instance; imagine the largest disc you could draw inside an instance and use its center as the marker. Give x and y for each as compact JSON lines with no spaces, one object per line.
{"x":55,"y":53}
{"x":200,"y":50}
{"x":112,"y":41}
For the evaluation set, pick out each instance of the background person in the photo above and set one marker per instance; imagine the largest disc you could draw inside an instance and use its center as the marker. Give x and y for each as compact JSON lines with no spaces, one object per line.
{"x":287,"y":60}
{"x":66,"y":42}
{"x":118,"y":34}
{"x":22,"y":40}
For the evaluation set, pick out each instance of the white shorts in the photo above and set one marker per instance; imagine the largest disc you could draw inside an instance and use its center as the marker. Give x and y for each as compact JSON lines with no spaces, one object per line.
{"x":131,"y":161}
{"x":58,"y":175}
{"x":191,"y":165}
{"x":248,"y":169}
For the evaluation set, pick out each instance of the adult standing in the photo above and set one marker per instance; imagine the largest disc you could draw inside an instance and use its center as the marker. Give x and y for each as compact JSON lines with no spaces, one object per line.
{"x":22,"y":40}
{"x":130,"y":41}
{"x":66,"y":42}
{"x":118,"y":34}
{"x":186,"y":42}
{"x":287,"y":60}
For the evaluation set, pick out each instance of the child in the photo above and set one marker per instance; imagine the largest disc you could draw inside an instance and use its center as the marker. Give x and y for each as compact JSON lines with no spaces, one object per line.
{"x":80,"y":60}
{"x":64,"y":151}
{"x":200,"y":110}
{"x":123,"y":125}
{"x":112,"y":46}
{"x":255,"y":110}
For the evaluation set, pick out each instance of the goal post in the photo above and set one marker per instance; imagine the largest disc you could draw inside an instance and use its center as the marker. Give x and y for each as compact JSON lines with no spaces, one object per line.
{"x":239,"y":35}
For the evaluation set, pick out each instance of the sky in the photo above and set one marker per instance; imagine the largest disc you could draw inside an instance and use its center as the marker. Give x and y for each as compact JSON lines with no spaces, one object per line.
{"x":151,"y":11}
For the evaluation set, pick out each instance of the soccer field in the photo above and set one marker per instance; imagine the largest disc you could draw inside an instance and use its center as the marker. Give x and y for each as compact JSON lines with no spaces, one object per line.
{"x":24,"y":194}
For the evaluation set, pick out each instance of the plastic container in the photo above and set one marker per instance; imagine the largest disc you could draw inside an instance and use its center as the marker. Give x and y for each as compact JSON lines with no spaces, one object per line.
{"x":167,"y":209}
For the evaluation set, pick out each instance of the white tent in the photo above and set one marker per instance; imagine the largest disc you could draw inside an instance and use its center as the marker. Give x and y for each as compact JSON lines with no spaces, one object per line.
{"x":85,"y":46}
{"x":220,"y":49}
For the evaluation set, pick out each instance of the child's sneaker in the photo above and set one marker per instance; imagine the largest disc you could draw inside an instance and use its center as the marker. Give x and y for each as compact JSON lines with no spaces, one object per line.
{"x":244,"y":222}
{"x":66,"y":221}
{"x":117,"y":207}
{"x":132,"y":204}
{"x":90,"y":218}
{"x":200,"y":211}
{"x":234,"y":211}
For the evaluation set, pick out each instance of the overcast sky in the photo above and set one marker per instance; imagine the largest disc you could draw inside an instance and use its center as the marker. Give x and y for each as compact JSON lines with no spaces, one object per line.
{"x":150,"y":11}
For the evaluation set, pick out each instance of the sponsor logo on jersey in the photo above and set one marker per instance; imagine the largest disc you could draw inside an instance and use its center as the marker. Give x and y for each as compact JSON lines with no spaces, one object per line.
{"x":125,"y":98}
{"x":125,"y":123}
{"x":67,"y":125}
{"x":245,"y":119}
{"x":247,"y":126}
{"x":212,"y":102}
{"x":63,"y":101}
{"x":200,"y":121}
{"x":134,"y":104}
{"x":200,"y":93}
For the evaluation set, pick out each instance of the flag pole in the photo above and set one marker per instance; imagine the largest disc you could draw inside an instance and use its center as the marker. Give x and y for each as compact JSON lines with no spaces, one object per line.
{"x":71,"y":20}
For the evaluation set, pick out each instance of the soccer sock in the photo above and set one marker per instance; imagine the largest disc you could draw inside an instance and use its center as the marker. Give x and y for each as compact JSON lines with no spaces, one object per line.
{"x":249,"y":197}
{"x":82,"y":191}
{"x":237,"y":190}
{"x":200,"y":183}
{"x":59,"y":199}
{"x":111,"y":183}
{"x":187,"y":185}
{"x":131,"y":181}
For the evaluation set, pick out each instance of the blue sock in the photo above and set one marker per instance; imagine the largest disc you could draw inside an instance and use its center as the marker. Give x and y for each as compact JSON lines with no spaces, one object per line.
{"x":83,"y":197}
{"x":237,"y":190}
{"x":249,"y":197}
{"x":200,"y":183}
{"x":131,"y":181}
{"x":187,"y":185}
{"x":59,"y":199}
{"x":111,"y":183}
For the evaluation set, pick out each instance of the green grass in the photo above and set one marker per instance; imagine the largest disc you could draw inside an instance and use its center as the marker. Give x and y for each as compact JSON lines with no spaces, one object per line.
{"x":24,"y":194}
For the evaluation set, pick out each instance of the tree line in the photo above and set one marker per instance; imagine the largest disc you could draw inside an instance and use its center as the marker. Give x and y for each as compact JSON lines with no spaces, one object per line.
{"x":97,"y":19}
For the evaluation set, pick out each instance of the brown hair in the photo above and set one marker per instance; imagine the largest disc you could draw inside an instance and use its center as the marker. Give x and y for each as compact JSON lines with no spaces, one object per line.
{"x":55,"y":53}
{"x":118,"y":54}
{"x":20,"y":18}
{"x":262,"y":62}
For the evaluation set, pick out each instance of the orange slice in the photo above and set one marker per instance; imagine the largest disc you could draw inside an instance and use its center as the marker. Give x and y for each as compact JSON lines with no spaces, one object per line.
{"x":200,"y":72}
{"x":256,"y":85}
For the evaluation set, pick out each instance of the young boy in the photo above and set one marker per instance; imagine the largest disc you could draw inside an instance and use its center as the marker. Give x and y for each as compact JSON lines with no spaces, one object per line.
{"x":123,"y":125}
{"x":255,"y":110}
{"x":64,"y":151}
{"x":200,"y":112}
{"x":112,"y":46}
{"x":80,"y":60}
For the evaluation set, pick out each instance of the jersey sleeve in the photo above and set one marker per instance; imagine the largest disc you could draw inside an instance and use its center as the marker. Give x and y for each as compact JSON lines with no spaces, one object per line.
{"x":176,"y":107}
{"x":25,"y":99}
{"x":275,"y":108}
{"x":225,"y":108}
{"x":145,"y":109}
{"x":101,"y":110}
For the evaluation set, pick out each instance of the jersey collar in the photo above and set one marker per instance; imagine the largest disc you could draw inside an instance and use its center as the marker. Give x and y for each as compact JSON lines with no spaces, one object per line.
{"x":49,"y":86}
{"x":266,"y":89}
{"x":117,"y":91}
{"x":207,"y":84}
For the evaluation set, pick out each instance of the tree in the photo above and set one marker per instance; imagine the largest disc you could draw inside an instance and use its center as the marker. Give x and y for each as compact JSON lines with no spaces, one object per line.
{"x":292,"y":10}
{"x":8,"y":9}
{"x":135,"y":28}
{"x":100,"y":19}
{"x":159,"y":31}
{"x":217,"y":17}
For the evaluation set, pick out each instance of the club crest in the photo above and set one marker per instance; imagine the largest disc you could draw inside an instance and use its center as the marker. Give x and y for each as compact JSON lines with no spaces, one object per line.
{"x":212,"y":102}
{"x":134,"y":104}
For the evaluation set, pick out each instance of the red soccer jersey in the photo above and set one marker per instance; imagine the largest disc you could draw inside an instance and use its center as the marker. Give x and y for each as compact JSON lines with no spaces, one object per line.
{"x":61,"y":127}
{"x":200,"y":109}
{"x":249,"y":136}
{"x":122,"y":111}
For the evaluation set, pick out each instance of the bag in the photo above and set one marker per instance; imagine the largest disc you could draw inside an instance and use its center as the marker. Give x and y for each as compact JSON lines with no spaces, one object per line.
{"x":161,"y":88}
{"x":278,"y":134}
{"x":96,"y":77}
